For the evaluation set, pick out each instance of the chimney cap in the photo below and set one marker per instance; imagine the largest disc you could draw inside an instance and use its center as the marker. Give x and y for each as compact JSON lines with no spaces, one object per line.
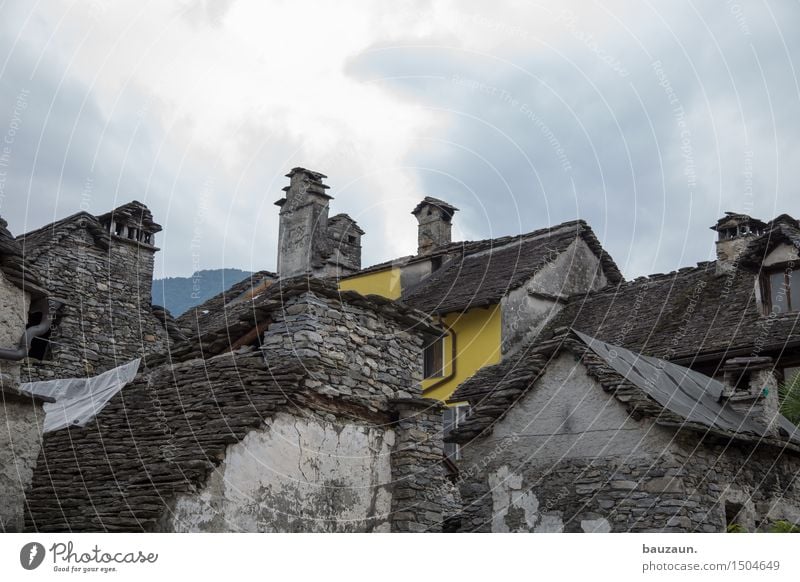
{"x":448,"y":209}
{"x":315,"y":176}
{"x":733,"y":219}
{"x":342,"y":216}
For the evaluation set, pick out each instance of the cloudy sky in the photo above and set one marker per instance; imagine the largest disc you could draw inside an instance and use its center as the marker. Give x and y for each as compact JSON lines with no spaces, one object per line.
{"x":648,"y":120}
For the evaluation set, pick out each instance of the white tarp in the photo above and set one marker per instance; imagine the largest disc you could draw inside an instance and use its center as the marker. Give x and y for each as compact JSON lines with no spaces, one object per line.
{"x":75,"y":401}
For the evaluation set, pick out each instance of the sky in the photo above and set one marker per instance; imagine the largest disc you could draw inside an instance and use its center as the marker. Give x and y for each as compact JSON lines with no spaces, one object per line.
{"x":648,"y":120}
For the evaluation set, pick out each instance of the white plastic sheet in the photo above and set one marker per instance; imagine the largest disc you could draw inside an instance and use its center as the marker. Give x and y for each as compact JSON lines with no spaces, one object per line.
{"x":75,"y":401}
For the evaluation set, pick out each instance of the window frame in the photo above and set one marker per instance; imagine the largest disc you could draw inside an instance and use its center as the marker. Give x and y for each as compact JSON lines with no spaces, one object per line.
{"x":789,"y":273}
{"x":459,"y":412}
{"x":429,"y":360}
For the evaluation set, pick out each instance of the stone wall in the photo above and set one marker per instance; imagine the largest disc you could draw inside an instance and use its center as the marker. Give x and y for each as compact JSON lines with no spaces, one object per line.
{"x":107,"y":319}
{"x":421,"y":492}
{"x":568,"y":457}
{"x":352,"y":354}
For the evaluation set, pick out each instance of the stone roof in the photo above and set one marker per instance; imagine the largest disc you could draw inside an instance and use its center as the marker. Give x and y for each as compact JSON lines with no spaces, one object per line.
{"x":669,"y":394}
{"x":782,"y":230}
{"x":157,"y":438}
{"x":214,"y":313}
{"x":487,"y":271}
{"x":686,"y":316}
{"x":36,"y":242}
{"x":168,"y":322}
{"x":242,"y":320}
{"x":15,"y":267}
{"x":133,"y":212}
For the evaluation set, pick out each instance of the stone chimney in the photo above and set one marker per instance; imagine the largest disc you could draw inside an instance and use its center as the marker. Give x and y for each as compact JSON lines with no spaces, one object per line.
{"x":752,"y":389}
{"x":303,"y":242}
{"x":434,"y":217}
{"x":345,"y":236}
{"x":735,"y":231}
{"x":132,"y":233}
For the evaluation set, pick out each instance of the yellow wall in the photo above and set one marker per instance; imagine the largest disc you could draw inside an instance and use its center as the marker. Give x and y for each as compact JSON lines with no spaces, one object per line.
{"x":385,"y":283}
{"x":478,"y":334}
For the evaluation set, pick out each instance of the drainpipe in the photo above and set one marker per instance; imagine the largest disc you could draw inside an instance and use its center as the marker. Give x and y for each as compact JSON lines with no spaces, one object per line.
{"x":21,"y":351}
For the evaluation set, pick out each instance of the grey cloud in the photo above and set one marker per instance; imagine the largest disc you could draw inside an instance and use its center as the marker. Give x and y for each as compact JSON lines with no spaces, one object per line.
{"x":539,"y":140}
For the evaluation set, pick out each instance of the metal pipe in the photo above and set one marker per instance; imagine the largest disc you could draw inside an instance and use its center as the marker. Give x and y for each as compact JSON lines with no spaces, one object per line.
{"x":23,"y":348}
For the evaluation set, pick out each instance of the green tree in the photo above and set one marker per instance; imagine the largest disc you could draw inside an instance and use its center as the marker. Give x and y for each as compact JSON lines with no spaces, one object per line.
{"x":784,"y":526}
{"x":789,"y":395}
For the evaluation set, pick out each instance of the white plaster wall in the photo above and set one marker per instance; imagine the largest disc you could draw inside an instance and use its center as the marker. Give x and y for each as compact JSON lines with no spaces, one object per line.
{"x":782,"y":254}
{"x":576,"y":270}
{"x":568,"y":415}
{"x":14,"y":306}
{"x":508,"y":495}
{"x":20,"y":419}
{"x":297,"y":474}
{"x":20,"y":443}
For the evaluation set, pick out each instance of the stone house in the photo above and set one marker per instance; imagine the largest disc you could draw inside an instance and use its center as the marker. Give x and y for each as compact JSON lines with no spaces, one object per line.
{"x":315,"y":424}
{"x":24,"y":315}
{"x":562,"y":436}
{"x":101,"y":270}
{"x":575,"y":434}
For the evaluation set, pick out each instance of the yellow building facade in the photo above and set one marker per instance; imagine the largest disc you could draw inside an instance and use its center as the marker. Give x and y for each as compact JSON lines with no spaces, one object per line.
{"x":473,"y":338}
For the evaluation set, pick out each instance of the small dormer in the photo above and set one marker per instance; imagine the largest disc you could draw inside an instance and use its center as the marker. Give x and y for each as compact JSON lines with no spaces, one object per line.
{"x":133,"y":222}
{"x":734,"y":233}
{"x":435,"y":224}
{"x":776,"y":257}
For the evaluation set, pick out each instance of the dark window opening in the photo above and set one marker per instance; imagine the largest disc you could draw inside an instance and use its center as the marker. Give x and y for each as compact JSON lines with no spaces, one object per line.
{"x":40,"y":346}
{"x":351,"y":239}
{"x":434,"y":359}
{"x":733,"y":517}
{"x":120,"y":229}
{"x":436,"y":264}
{"x":782,"y":288}
{"x":451,"y":419}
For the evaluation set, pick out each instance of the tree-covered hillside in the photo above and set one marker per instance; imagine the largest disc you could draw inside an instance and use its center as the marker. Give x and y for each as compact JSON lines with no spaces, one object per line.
{"x":180,"y":293}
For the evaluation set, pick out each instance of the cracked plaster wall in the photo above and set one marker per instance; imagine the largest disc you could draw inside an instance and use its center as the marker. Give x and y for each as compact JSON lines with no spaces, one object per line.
{"x":297,"y":474}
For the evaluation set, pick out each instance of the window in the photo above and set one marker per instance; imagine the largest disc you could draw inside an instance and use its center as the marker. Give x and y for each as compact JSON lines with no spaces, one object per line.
{"x":733,"y":517}
{"x":351,"y":239}
{"x":434,"y":359}
{"x":451,"y":419}
{"x":783,"y":290}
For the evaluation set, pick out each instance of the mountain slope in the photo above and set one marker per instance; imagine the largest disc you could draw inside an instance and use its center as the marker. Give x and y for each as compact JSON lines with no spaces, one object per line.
{"x":178,"y":294}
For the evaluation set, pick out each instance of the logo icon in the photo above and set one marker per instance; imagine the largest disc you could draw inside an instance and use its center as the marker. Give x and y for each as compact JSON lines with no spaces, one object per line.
{"x":31,"y":555}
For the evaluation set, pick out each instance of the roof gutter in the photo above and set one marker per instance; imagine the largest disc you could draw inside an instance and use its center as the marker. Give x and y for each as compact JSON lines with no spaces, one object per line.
{"x":23,"y":348}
